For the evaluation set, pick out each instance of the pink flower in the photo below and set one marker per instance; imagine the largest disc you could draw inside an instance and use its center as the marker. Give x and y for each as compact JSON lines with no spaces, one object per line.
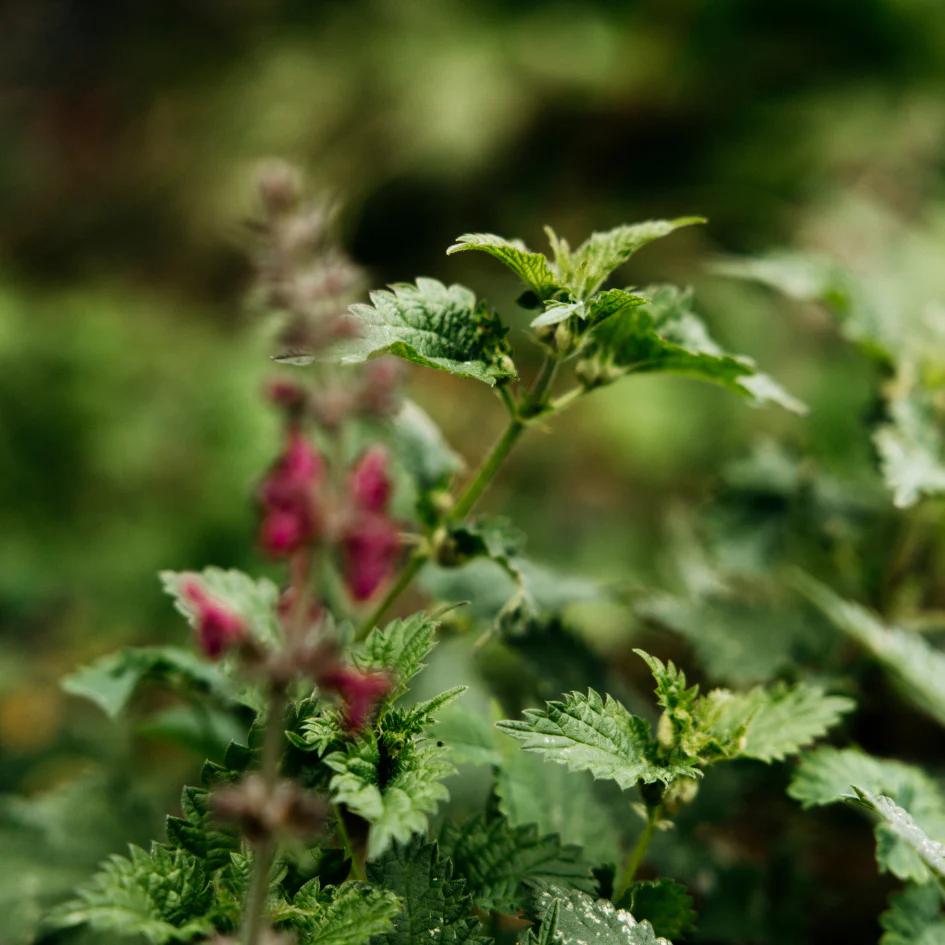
{"x":370,"y":547}
{"x":286,"y":394}
{"x":359,"y":691}
{"x":370,"y":483}
{"x":291,"y":517}
{"x":217,"y":626}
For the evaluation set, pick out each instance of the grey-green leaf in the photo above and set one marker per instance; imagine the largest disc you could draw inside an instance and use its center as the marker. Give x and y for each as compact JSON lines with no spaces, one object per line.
{"x":531,"y":267}
{"x":588,"y":733}
{"x":437,"y":326}
{"x":667,"y":336}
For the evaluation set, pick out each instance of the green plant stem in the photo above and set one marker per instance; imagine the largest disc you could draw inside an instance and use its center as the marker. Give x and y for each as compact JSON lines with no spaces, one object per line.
{"x":635,"y":858}
{"x":266,"y":849}
{"x":410,"y":570}
{"x":530,"y":405}
{"x":357,"y":868}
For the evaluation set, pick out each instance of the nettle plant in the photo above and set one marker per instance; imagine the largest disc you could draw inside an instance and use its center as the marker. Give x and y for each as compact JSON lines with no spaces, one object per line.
{"x":321,"y":825}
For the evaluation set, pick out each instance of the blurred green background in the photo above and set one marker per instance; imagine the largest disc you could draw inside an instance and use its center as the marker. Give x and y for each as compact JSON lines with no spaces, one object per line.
{"x":131,"y":429}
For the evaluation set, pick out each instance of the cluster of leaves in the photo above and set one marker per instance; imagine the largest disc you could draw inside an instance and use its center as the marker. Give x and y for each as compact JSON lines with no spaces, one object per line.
{"x":903,"y":334}
{"x":547,"y":850}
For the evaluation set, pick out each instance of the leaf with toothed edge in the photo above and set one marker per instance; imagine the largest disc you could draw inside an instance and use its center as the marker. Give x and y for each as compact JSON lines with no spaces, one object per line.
{"x":433,"y":325}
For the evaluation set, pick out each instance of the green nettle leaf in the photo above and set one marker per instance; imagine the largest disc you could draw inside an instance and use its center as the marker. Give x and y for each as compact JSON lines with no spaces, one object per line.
{"x":531,"y":267}
{"x":784,"y":719}
{"x":112,"y":681}
{"x":399,"y":648}
{"x":917,"y":667}
{"x":666,"y":335}
{"x":531,"y":790}
{"x":436,"y":907}
{"x":665,"y":904}
{"x":437,"y":326}
{"x":592,"y":263}
{"x":582,"y":920}
{"x":914,"y":917}
{"x":426,"y":455}
{"x":902,"y":826}
{"x":766,"y":724}
{"x":199,"y":833}
{"x":588,"y":733}
{"x":500,"y":862}
{"x":255,"y":600}
{"x":349,"y":914}
{"x":830,"y":775}
{"x":590,"y":313}
{"x":163,"y":896}
{"x":911,"y":447}
{"x":392,"y":778}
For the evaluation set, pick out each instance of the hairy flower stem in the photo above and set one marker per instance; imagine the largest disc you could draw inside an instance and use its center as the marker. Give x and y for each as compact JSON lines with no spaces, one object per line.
{"x":635,"y":858}
{"x":266,"y":849}
{"x":357,"y":867}
{"x":528,"y":406}
{"x":255,"y":912}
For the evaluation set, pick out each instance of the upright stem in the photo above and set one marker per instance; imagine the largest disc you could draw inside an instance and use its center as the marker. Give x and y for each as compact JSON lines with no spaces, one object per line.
{"x":486,"y":472}
{"x":295,"y":625}
{"x":529,"y":405}
{"x":629,"y":871}
{"x":266,"y":848}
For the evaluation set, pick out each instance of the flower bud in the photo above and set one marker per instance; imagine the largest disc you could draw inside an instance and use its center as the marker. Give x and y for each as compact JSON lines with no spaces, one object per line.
{"x":359,"y":691}
{"x":216,"y":625}
{"x":370,"y":546}
{"x":288,"y":495}
{"x":280,"y":186}
{"x":369,"y":483}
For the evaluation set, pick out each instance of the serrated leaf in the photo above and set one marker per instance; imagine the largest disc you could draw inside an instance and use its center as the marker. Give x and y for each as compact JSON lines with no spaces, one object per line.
{"x":588,"y":733}
{"x":916,"y":666}
{"x":914,"y":917}
{"x":829,"y":775}
{"x":422,"y":448}
{"x":591,"y":264}
{"x":531,"y":267}
{"x":436,"y":907}
{"x":500,"y":862}
{"x":667,"y":336}
{"x":198,"y":833}
{"x":53,"y":841}
{"x":163,"y":896}
{"x":434,"y":325}
{"x":531,"y":790}
{"x":468,"y":735}
{"x":349,"y":914}
{"x":911,"y":447}
{"x":255,"y":600}
{"x":902,"y":826}
{"x":392,"y":778}
{"x":112,"y":681}
{"x":665,"y":904}
{"x":399,"y":649}
{"x":583,"y":920}
{"x":783,"y":719}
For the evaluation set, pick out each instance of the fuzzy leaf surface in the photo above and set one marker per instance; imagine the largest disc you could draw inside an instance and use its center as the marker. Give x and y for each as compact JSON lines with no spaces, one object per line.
{"x":828,"y":775}
{"x":583,"y":920}
{"x":163,"y":896}
{"x":500,"y":862}
{"x":667,"y":336}
{"x":436,"y":907}
{"x":531,"y":267}
{"x":590,"y":733}
{"x":433,"y":325}
{"x":349,"y":914}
